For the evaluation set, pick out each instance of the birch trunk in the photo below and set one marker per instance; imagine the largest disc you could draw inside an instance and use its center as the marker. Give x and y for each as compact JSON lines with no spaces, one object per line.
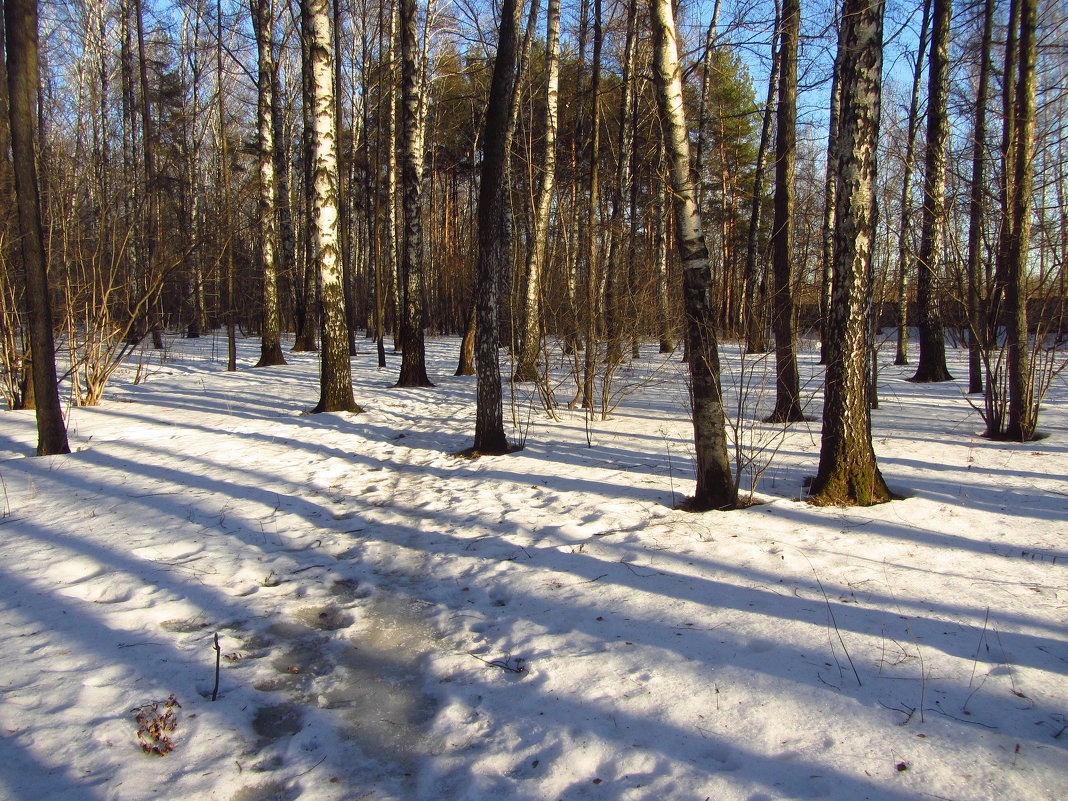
{"x":848,"y":473}
{"x":715,"y":484}
{"x":530,"y":343}
{"x":413,"y":359}
{"x":335,"y":374}
{"x":270,"y":335}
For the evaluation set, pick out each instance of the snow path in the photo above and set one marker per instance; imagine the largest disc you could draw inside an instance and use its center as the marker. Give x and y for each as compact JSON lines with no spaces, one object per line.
{"x":397,"y":623}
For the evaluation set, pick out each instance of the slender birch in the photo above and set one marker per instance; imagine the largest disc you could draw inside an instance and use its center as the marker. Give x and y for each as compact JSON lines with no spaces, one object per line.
{"x":270,"y":333}
{"x":715,"y":482}
{"x":530,"y":343}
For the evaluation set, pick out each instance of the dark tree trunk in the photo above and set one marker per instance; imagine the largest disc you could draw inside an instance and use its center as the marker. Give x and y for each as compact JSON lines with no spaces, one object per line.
{"x":830,"y":189}
{"x":1022,"y":412}
{"x":902,"y":355}
{"x":592,"y":243}
{"x":308,"y":303}
{"x":492,"y":199}
{"x":977,"y":206}
{"x":994,"y":397}
{"x":932,"y":363}
{"x":270,"y":333}
{"x":20,"y":19}
{"x":787,"y":380}
{"x":619,"y":231}
{"x":755,"y":327}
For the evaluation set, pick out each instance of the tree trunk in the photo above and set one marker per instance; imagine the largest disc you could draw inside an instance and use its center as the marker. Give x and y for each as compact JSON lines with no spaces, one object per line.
{"x":226,"y":257}
{"x":530,"y":343}
{"x":151,"y":272}
{"x":1023,"y":416}
{"x":830,"y":188}
{"x":615,"y":274}
{"x":995,"y":396}
{"x":903,"y":236}
{"x":593,"y":251}
{"x":270,"y":333}
{"x":755,"y":331}
{"x":787,"y":380}
{"x":20,"y":20}
{"x":977,"y":206}
{"x":335,"y":374}
{"x":848,"y":473}
{"x":932,"y":364}
{"x":310,"y":294}
{"x":492,"y":199}
{"x":715,"y":484}
{"x":413,"y":360}
{"x":661,"y":210}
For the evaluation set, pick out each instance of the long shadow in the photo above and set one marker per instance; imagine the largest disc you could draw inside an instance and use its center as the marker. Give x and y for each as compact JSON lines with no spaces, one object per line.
{"x":589,"y":568}
{"x":687,"y":646}
{"x":320,"y":516}
{"x":26,"y":778}
{"x":725,"y":596}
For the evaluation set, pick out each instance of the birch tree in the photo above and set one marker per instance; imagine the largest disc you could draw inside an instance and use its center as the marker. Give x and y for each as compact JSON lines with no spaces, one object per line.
{"x":413,"y":358}
{"x":530,"y":342}
{"x":335,"y":374}
{"x":848,"y":473}
{"x":267,"y":218}
{"x":715,"y":483}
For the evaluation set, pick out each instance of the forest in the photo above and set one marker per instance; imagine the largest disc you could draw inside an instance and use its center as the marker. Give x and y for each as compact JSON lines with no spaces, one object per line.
{"x":605,"y":400}
{"x":396,"y":171}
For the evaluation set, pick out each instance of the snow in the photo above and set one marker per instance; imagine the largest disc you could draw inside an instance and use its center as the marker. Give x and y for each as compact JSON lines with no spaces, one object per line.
{"x":398,"y":623}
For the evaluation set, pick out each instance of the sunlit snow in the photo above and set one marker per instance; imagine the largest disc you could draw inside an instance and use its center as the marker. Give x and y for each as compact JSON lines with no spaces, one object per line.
{"x":397,"y":623}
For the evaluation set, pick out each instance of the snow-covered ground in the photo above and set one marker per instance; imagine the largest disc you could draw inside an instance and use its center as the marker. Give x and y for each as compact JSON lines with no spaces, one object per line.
{"x":397,"y":623}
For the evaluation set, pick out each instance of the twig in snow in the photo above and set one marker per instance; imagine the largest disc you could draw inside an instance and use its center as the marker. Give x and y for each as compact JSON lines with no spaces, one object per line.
{"x":313,"y":767}
{"x":968,"y":700}
{"x":977,"y":647}
{"x":307,"y":567}
{"x":830,"y":614}
{"x":1005,"y":662}
{"x":905,"y":709}
{"x":506,"y":665}
{"x":7,"y":501}
{"x":218,"y":656}
{"x":923,"y":672}
{"x":630,"y":567}
{"x":938,"y":708}
{"x":590,"y":581}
